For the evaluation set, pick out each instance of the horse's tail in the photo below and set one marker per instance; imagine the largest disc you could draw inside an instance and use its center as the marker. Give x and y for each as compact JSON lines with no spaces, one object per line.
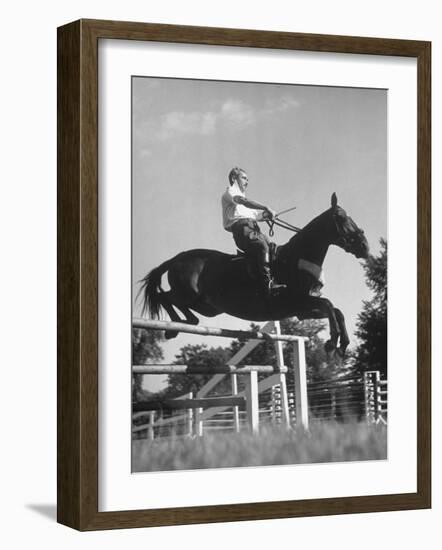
{"x":151,"y":290}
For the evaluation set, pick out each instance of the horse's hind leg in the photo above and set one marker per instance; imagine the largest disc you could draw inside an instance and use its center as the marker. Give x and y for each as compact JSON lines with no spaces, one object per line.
{"x":190,"y":317}
{"x":169,"y":302}
{"x":168,"y":306}
{"x":169,"y":334}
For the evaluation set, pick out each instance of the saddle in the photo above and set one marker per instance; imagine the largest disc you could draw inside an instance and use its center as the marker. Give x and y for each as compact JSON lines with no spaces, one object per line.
{"x":273,"y":253}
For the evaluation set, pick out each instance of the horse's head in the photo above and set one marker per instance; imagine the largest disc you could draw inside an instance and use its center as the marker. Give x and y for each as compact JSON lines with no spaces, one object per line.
{"x":347,"y":234}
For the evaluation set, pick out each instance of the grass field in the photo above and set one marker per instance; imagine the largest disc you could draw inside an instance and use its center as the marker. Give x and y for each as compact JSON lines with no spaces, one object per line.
{"x":325,"y":442}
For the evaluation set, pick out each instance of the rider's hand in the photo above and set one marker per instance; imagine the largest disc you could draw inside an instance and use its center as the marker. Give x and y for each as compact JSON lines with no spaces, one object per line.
{"x":268,"y":214}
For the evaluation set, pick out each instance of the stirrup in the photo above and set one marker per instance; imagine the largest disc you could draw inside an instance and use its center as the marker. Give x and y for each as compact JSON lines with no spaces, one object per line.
{"x":275,"y":287}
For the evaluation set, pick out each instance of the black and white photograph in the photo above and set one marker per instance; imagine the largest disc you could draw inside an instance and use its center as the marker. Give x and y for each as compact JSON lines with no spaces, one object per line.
{"x":222,"y":269}
{"x":259,"y":274}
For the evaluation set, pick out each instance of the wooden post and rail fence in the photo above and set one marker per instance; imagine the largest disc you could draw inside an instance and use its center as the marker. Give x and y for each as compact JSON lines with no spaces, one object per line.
{"x":205,"y":407}
{"x":366,"y":397}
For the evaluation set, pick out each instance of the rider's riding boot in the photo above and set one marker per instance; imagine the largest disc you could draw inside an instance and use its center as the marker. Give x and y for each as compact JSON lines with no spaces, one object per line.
{"x":269,"y":286}
{"x":264,"y":279}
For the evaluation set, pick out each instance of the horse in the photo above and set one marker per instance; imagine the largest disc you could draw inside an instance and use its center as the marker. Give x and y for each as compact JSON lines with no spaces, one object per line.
{"x":210,"y":282}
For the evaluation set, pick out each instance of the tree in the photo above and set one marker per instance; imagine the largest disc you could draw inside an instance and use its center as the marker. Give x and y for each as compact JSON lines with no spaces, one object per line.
{"x":371,"y":353}
{"x":264,"y":353}
{"x":145,"y":349}
{"x":195,"y":356}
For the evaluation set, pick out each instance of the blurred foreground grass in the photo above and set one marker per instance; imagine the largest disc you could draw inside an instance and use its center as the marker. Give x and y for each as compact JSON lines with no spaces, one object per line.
{"x":325,"y":442}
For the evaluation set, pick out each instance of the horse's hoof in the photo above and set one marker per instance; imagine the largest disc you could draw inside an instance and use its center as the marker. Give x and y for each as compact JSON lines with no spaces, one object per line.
{"x":169,"y":334}
{"x":329,"y":347}
{"x":339,"y":357}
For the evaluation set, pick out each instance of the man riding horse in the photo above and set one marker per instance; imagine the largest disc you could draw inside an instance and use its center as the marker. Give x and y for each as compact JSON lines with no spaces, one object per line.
{"x":240,"y":217}
{"x":210,"y":282}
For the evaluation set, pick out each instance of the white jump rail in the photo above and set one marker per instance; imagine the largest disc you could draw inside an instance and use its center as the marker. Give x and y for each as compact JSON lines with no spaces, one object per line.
{"x":227,"y":369}
{"x":215,"y":331}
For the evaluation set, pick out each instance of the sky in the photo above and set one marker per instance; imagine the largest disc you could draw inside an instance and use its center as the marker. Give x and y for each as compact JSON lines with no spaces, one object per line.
{"x":298,"y":144}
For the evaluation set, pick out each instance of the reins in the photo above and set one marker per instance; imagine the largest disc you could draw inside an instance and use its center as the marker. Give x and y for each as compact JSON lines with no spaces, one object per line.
{"x":281,"y":223}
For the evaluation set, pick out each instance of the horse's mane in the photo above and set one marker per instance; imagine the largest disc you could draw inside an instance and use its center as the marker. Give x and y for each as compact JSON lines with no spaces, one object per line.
{"x":297,"y":238}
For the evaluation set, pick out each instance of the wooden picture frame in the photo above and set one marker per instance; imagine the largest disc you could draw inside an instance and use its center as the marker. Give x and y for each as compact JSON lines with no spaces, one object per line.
{"x":77,"y":460}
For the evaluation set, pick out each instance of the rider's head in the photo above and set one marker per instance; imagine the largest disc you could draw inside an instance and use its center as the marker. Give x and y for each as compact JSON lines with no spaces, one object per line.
{"x":238,"y":176}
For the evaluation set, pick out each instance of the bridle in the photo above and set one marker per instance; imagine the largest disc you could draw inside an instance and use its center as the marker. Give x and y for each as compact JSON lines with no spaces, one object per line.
{"x":345,"y":239}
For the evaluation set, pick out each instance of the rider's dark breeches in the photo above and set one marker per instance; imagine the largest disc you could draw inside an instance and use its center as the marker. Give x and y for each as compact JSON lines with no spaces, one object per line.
{"x":256,"y":245}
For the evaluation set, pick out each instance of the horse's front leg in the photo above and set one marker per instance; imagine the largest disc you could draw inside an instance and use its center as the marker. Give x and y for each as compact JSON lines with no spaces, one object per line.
{"x":318,"y":308}
{"x":344,"y":339}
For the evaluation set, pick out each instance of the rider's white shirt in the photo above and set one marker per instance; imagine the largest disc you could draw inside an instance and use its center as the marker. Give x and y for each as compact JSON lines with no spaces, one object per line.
{"x":233,"y":212}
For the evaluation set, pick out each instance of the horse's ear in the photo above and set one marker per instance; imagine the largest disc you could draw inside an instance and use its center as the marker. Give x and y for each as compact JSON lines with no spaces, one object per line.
{"x":334,"y":200}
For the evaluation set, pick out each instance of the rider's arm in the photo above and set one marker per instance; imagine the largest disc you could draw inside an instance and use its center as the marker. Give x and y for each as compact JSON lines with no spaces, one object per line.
{"x":255,"y":205}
